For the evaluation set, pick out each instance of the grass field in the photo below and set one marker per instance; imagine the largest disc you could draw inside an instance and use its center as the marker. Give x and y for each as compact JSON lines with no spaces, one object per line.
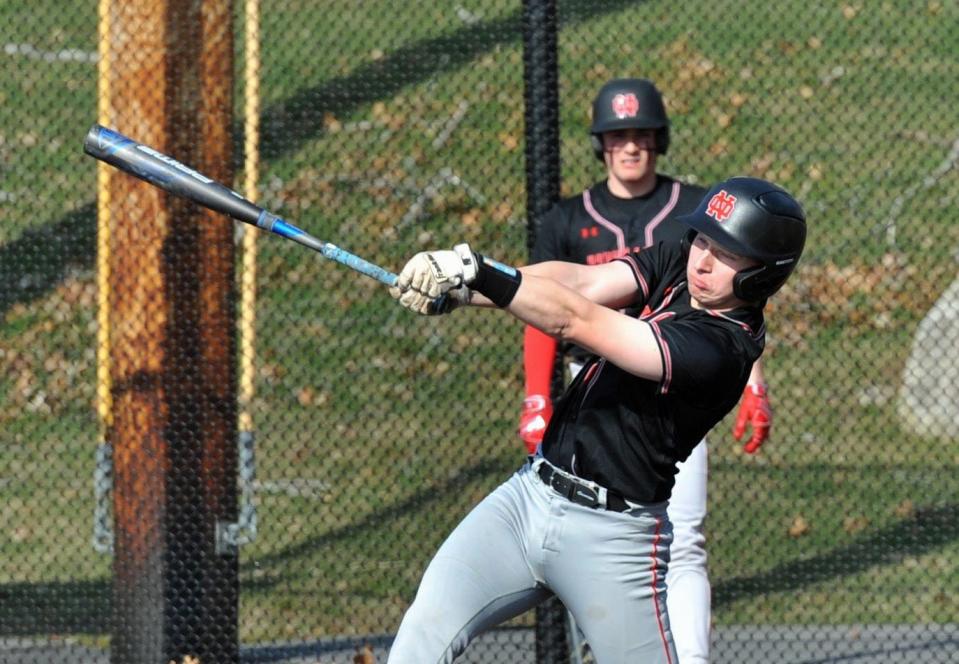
{"x":846,"y":517}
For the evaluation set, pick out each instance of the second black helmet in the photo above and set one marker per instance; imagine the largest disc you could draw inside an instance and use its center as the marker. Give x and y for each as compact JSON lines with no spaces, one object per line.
{"x":629,"y":103}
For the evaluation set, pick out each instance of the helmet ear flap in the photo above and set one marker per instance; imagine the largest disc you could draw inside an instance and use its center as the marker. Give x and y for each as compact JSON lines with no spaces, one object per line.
{"x":596,"y":141}
{"x":757,"y":284}
{"x":744,"y":283}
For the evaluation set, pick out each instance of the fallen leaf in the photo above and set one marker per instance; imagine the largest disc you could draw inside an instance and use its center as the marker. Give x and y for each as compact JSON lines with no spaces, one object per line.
{"x":799,"y":527}
{"x":364,"y":655}
{"x":305,"y":396}
{"x":854,"y":524}
{"x":509,"y":141}
{"x":905,"y":510}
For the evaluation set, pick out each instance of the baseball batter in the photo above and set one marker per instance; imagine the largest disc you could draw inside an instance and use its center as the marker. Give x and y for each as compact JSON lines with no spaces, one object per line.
{"x":632,"y":209}
{"x":585,"y":519}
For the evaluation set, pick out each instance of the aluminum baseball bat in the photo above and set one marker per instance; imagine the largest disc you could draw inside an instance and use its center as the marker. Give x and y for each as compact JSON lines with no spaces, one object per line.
{"x":170,"y":175}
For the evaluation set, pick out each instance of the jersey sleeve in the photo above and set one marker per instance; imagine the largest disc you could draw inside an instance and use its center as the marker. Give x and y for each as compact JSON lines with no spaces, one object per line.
{"x":702,"y":357}
{"x":652,"y":269}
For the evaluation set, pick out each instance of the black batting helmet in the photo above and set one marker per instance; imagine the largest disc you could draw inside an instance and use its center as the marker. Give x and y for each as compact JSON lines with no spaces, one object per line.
{"x":629,"y":103}
{"x":756,"y":219}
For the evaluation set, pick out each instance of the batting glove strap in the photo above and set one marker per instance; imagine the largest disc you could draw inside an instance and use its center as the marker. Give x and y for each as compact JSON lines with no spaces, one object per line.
{"x":468,"y":259}
{"x":496,"y":281}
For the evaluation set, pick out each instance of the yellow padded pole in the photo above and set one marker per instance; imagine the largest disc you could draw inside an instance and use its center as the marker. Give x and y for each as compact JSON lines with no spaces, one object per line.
{"x":251,"y":172}
{"x":105,"y":118}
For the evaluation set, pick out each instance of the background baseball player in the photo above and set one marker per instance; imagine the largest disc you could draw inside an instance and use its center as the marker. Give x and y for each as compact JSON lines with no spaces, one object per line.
{"x":585,"y":519}
{"x":632,"y":209}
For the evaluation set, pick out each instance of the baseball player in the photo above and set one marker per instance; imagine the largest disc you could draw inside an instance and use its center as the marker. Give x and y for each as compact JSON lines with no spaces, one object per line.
{"x":634,"y":208}
{"x":585,"y":518}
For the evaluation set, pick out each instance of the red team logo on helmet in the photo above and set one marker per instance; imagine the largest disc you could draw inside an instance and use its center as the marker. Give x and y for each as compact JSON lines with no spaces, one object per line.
{"x":721,"y":206}
{"x":625,"y":105}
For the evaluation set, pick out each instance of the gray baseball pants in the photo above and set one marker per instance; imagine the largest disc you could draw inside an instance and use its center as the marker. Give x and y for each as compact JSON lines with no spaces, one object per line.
{"x":523,"y":543}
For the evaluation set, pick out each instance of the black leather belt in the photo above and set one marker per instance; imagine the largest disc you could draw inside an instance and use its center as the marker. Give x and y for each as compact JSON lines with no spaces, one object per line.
{"x":578,"y":492}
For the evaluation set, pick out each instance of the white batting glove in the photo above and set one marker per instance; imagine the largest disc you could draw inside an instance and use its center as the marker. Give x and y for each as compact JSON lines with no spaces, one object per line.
{"x":431,"y":274}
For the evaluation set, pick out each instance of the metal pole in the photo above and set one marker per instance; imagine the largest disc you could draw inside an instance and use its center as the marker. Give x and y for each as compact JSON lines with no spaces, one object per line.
{"x":540,"y":58}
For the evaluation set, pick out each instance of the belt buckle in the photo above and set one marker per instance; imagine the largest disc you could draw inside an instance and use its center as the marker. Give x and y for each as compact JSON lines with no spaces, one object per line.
{"x":584,"y":495}
{"x":573,"y":490}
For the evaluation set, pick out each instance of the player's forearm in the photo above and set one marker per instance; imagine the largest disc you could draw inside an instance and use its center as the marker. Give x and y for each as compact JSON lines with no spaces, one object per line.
{"x":609,"y":285}
{"x":566,"y":315}
{"x":470,"y":278}
{"x":540,"y":301}
{"x":548,"y":305}
{"x":569,"y":275}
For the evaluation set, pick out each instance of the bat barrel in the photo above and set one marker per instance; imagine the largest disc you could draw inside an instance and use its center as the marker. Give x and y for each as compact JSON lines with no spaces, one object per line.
{"x":167,"y":173}
{"x":170,"y":175}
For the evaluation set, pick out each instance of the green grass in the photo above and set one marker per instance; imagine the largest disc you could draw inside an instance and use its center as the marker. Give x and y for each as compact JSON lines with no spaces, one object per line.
{"x":408,"y":422}
{"x":43,"y":109}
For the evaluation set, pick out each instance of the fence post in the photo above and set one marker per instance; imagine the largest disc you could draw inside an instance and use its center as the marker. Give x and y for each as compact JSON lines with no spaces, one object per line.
{"x":541,"y":91}
{"x":173,"y":349}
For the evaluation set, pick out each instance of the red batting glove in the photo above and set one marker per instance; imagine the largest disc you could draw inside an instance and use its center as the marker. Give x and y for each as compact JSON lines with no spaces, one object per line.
{"x":537,"y":410}
{"x":754,"y":409}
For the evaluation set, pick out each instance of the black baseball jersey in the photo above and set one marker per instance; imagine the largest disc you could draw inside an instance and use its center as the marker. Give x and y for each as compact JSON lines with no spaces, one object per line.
{"x":627,"y":433}
{"x":597,"y":227}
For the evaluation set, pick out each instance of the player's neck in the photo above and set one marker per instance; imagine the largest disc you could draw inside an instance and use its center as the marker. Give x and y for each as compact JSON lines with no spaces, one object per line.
{"x":631,"y":188}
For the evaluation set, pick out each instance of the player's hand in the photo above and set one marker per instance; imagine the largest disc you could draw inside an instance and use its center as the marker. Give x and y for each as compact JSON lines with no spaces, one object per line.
{"x":537,"y":411}
{"x":430,"y":274}
{"x":754,"y":410}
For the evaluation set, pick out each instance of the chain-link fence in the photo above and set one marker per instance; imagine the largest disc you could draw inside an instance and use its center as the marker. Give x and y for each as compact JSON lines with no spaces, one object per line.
{"x":286,"y":448}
